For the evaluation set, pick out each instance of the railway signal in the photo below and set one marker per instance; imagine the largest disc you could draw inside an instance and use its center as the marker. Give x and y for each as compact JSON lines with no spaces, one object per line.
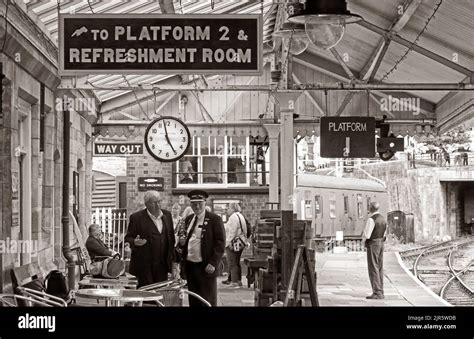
{"x":387,"y":145}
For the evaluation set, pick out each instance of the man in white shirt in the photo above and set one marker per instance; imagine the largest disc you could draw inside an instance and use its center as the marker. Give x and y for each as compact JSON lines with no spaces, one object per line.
{"x":151,"y":237}
{"x":374,"y":237}
{"x":202,"y":248}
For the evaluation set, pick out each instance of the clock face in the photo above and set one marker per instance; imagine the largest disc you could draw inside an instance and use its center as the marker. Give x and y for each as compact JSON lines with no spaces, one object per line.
{"x":167,"y":139}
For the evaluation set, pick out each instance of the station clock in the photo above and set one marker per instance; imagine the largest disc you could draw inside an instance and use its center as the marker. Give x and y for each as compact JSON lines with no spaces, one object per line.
{"x":167,"y":139}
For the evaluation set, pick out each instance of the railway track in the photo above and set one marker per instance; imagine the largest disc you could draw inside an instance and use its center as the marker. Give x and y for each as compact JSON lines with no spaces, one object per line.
{"x":453,"y":283}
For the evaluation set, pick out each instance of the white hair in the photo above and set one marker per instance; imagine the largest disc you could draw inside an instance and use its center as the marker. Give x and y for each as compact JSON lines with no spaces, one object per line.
{"x":151,"y":194}
{"x":235,"y":206}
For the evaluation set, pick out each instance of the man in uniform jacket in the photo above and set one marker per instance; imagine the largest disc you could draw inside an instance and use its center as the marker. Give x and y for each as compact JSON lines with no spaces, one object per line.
{"x":374,"y":236}
{"x":202,"y":249}
{"x":151,"y":238}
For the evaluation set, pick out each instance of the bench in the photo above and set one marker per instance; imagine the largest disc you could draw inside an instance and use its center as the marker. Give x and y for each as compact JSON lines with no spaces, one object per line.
{"x":31,"y":277}
{"x":26,"y":275}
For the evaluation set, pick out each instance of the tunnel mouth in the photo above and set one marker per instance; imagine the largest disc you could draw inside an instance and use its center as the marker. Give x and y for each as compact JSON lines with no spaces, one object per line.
{"x":466,"y":206}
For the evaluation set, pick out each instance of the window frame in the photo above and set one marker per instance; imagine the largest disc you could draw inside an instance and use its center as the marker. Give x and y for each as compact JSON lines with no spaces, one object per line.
{"x":197,"y":152}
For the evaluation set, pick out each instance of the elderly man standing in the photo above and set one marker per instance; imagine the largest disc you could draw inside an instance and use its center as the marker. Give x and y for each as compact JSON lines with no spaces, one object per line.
{"x":202,"y":249}
{"x":374,"y":237}
{"x":151,"y":237}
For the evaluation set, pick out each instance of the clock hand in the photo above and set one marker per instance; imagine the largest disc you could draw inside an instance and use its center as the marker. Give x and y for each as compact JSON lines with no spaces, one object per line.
{"x":167,"y":137}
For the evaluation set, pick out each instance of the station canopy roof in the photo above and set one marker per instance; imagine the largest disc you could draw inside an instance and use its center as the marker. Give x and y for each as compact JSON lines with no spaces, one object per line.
{"x":436,"y":29}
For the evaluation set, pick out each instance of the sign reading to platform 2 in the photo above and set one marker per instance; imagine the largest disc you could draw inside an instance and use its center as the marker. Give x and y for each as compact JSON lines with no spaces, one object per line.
{"x":347,"y":137}
{"x":118,"y":149}
{"x":150,"y":184}
{"x":147,"y":43}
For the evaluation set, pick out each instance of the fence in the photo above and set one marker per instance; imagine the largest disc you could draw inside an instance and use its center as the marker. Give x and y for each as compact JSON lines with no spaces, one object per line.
{"x":455,"y":159}
{"x":113,"y":223}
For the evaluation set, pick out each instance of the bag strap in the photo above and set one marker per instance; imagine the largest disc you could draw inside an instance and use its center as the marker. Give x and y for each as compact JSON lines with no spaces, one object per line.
{"x":241,"y":228}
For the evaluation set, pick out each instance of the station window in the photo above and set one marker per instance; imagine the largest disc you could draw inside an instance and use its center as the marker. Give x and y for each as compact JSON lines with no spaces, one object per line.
{"x":217,"y":161}
{"x":332,"y":206}
{"x":317,"y":205}
{"x":359,"y":206}
{"x":346,"y":204}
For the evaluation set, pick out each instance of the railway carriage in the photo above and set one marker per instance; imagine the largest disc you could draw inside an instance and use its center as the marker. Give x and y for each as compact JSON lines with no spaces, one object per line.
{"x":337,"y":204}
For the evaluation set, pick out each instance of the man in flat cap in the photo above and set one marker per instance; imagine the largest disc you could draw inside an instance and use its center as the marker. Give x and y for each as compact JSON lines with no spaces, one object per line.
{"x":203,"y":247}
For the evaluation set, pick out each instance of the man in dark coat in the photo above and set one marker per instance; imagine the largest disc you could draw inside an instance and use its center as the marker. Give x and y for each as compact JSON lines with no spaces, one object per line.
{"x":94,"y":244}
{"x":202,"y":248}
{"x":151,"y":238}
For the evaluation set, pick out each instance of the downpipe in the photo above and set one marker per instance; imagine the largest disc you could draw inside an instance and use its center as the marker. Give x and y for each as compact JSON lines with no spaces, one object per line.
{"x":70,"y":265}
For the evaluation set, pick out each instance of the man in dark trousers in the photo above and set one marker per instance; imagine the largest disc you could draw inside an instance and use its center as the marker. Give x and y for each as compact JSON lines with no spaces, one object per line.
{"x":151,"y":238}
{"x":94,"y":244}
{"x":374,"y":237}
{"x":202,"y":247}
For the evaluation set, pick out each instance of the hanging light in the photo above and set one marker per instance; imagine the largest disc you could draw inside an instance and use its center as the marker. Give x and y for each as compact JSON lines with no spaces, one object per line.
{"x":325,"y":21}
{"x":296,"y":34}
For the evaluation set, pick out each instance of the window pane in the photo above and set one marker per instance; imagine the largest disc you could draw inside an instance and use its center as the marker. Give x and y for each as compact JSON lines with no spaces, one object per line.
{"x":332,"y":206}
{"x":236,"y":170}
{"x":237,"y":146}
{"x":346,"y":204}
{"x":359,"y":205}
{"x":317,"y":204}
{"x":307,"y":210}
{"x":211,"y":145}
{"x":187,"y":170}
{"x":212,"y":168}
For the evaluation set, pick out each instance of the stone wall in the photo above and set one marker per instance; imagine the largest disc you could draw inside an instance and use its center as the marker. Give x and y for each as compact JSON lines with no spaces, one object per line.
{"x":434,"y":204}
{"x":35,"y":215}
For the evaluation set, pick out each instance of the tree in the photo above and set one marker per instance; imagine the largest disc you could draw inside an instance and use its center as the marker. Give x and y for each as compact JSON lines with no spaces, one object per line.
{"x":454,"y":138}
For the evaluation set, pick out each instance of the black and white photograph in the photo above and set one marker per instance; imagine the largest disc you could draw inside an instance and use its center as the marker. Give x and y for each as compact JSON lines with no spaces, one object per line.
{"x":236,"y":164}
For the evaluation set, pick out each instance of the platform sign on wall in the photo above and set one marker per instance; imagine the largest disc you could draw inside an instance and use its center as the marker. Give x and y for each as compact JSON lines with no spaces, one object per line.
{"x":151,"y":184}
{"x":108,"y":149}
{"x":170,"y":44}
{"x":347,"y":137}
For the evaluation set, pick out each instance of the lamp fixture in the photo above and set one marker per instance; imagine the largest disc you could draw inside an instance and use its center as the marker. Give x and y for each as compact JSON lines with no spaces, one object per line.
{"x":296,"y":34}
{"x":324,"y":20}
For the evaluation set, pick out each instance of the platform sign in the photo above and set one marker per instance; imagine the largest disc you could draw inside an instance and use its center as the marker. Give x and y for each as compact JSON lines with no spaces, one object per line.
{"x":107,"y":149}
{"x":151,"y":184}
{"x":163,"y":44}
{"x":347,"y":137}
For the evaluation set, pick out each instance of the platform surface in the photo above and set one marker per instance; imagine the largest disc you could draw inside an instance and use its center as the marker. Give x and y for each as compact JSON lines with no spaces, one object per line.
{"x":342,"y":280}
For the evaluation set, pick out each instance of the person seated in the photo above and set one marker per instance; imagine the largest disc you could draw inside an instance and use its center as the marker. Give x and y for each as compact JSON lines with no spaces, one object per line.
{"x":94,"y":244}
{"x":186,"y":172}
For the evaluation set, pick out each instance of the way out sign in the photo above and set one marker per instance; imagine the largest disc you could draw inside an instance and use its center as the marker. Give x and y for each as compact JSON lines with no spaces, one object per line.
{"x":170,"y":44}
{"x":347,"y":137}
{"x":117,"y":149}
